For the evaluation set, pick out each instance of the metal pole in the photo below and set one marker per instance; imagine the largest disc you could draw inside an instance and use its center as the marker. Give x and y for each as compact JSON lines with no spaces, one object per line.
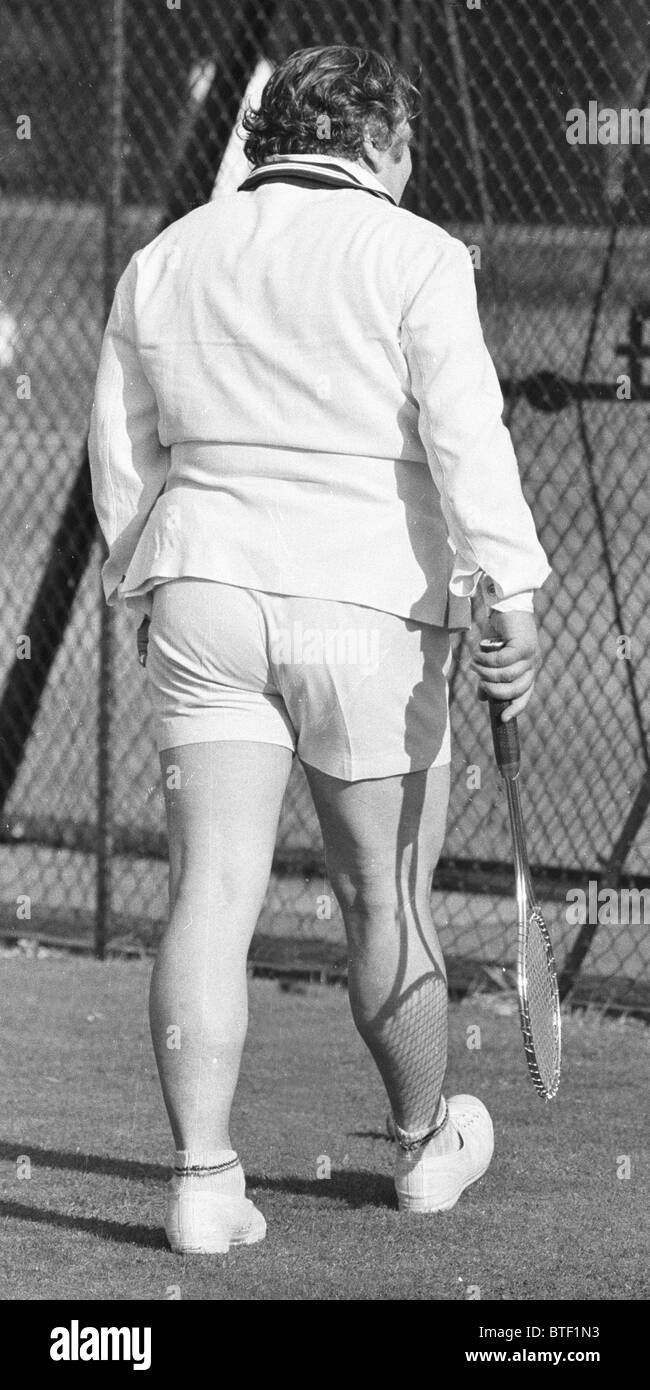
{"x":406,"y":31}
{"x":112,"y":269}
{"x":387,"y":27}
{"x":465,"y":98}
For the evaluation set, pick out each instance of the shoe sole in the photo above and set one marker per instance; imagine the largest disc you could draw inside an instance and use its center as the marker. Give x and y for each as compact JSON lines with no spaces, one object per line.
{"x":216,"y":1244}
{"x":211,"y":1248}
{"x":215,"y":1249}
{"x":422,"y":1206}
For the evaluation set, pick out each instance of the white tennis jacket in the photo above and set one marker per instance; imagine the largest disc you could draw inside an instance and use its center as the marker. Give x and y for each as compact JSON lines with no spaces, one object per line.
{"x":294,"y":395}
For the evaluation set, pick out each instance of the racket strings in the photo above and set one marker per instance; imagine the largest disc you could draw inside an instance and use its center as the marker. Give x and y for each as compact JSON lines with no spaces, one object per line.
{"x":412,"y":1040}
{"x":541,"y":1002}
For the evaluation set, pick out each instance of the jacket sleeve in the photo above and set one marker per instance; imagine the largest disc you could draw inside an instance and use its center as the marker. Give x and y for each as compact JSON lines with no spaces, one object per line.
{"x":128,"y":463}
{"x":468,"y":447}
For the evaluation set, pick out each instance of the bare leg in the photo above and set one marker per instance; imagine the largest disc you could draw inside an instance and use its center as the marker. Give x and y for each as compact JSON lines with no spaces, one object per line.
{"x":223,"y":804}
{"x":382,"y":842}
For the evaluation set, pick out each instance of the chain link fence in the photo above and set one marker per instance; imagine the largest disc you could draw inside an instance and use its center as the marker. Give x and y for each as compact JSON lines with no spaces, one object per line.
{"x":119,"y":117}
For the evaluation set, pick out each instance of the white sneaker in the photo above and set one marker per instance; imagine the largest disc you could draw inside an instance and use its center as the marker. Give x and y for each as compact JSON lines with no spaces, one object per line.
{"x":426,"y":1181}
{"x":200,"y":1222}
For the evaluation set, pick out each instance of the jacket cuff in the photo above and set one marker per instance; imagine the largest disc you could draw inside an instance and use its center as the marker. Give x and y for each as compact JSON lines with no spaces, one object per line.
{"x":516,"y":603}
{"x":141,"y":605}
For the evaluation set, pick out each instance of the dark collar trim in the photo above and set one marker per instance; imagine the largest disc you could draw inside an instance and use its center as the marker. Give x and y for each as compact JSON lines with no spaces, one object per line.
{"x":310,"y":176}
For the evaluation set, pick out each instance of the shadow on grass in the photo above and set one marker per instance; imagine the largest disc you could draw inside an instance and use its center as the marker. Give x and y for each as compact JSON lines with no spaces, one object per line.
{"x":371,"y":1134}
{"x":75,"y":1162}
{"x":349,"y":1186}
{"x":151,"y":1236}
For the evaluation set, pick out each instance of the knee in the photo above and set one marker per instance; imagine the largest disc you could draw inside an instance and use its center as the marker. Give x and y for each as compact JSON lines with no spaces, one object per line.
{"x":372,"y":893}
{"x":366,"y":898}
{"x":228,"y":890}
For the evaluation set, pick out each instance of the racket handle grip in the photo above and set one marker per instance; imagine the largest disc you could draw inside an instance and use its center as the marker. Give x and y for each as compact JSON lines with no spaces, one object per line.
{"x":505,"y":738}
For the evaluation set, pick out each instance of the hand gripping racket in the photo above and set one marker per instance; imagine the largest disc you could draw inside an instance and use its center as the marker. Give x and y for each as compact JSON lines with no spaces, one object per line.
{"x":539,"y":1003}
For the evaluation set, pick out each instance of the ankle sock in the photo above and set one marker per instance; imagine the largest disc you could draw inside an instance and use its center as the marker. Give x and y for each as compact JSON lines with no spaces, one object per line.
{"x":215,"y":1170}
{"x":441,"y":1138}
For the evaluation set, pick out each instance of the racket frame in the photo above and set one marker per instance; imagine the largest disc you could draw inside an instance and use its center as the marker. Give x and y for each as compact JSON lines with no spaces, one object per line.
{"x":526,"y":908}
{"x":505,"y":738}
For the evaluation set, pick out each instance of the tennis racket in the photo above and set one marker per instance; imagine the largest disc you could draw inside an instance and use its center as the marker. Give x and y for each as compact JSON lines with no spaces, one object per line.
{"x":539,"y":1002}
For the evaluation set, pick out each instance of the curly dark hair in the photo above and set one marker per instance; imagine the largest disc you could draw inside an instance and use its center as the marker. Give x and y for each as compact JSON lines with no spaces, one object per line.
{"x":323,"y":100}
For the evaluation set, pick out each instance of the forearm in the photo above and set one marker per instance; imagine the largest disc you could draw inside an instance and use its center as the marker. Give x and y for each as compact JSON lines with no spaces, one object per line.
{"x":128,"y":463}
{"x":468,"y":447}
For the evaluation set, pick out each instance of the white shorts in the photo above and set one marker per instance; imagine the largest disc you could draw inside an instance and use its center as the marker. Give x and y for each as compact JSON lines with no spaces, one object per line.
{"x":353,"y":691}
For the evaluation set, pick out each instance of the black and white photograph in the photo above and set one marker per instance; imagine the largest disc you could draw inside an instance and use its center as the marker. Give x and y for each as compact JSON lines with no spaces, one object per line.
{"x":325,"y":658}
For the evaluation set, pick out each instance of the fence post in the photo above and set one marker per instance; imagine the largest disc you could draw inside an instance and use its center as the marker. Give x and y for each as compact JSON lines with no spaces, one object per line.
{"x":114,"y":109}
